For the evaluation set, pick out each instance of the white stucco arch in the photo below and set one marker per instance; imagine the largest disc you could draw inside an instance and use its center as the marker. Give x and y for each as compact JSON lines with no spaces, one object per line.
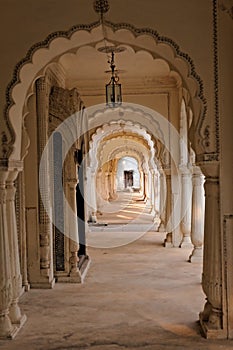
{"x":56,"y":44}
{"x":112,"y":128}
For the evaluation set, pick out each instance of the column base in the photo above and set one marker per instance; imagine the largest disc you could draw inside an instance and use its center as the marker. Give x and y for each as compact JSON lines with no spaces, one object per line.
{"x":79,"y":275}
{"x":11,"y":335}
{"x":168,"y":241}
{"x":84,"y":264}
{"x":27,"y":287}
{"x":156,"y":221}
{"x":7,"y":330}
{"x":15,"y":315}
{"x":196,"y":255}
{"x":19,"y":323}
{"x":210,"y":333}
{"x":186,"y":243}
{"x":75,"y":277}
{"x":43,"y":284}
{"x":92,"y":219}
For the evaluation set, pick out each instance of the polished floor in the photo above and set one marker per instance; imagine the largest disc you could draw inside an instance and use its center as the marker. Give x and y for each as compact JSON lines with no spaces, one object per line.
{"x":136,"y":296}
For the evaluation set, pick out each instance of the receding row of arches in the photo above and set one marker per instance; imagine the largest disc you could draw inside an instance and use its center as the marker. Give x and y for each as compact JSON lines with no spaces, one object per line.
{"x":72,"y":149}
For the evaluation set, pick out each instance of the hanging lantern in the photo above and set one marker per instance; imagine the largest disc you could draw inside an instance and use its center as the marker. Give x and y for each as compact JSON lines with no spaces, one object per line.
{"x":113,"y":88}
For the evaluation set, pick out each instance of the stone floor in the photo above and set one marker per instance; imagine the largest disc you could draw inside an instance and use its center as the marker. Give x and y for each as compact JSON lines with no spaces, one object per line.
{"x":136,"y":296}
{"x":140,"y":296}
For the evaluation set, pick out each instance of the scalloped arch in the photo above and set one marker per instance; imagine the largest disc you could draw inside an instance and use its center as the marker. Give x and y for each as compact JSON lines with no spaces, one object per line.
{"x":56,"y":44}
{"x":112,"y":128}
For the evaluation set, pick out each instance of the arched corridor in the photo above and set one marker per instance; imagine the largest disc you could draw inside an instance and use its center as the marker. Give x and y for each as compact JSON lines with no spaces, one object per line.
{"x":132,"y":174}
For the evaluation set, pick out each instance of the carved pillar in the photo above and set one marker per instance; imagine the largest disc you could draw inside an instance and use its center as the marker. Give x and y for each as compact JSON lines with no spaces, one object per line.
{"x":110,"y":184}
{"x":73,"y":235}
{"x":198,"y":215}
{"x":114,"y":193}
{"x":186,"y":200}
{"x":46,"y":263}
{"x":16,"y":278}
{"x":162,"y":201}
{"x":20,"y":209}
{"x":152,"y":191}
{"x":168,"y":239}
{"x":142,"y":182}
{"x":146,"y":185}
{"x":6,"y":328}
{"x":93,"y":197}
{"x":211,"y":317}
{"x":156,"y":219}
{"x":106,"y":185}
{"x":99,"y":198}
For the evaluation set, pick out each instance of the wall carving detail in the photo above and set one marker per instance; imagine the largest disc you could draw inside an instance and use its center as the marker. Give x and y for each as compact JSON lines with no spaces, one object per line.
{"x":63,"y":102}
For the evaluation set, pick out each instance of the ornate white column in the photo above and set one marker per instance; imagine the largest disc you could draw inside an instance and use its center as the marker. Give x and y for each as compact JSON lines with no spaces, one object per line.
{"x":156,"y":219}
{"x":110,"y":185}
{"x":99,"y":197}
{"x":93,"y":197}
{"x":114,"y":175}
{"x":20,"y":213}
{"x":16,"y":278}
{"x":146,"y":184}
{"x":162,"y":201}
{"x":186,"y":200}
{"x":142,"y":183}
{"x":198,"y":215}
{"x":46,"y":252}
{"x":211,"y":317}
{"x":168,"y":219}
{"x":6,"y":328}
{"x":75,"y":275}
{"x":150,"y":194}
{"x":106,"y":185}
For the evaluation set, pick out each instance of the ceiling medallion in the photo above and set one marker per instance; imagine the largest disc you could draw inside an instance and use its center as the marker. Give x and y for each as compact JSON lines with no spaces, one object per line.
{"x":101,"y":6}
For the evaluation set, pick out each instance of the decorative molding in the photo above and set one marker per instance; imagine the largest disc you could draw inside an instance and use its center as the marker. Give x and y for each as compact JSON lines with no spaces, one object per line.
{"x":101,"y":6}
{"x":206,"y":140}
{"x":67,"y":34}
{"x":207,"y":157}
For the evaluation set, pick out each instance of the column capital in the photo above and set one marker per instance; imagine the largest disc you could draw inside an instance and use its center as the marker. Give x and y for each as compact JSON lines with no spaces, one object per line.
{"x":184,"y":170}
{"x":210,"y":169}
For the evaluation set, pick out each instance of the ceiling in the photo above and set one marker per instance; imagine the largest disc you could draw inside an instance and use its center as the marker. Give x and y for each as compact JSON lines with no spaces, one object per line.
{"x":88,"y":70}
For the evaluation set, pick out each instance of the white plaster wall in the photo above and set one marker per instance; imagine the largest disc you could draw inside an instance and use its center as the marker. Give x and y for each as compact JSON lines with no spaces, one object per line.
{"x":127,"y":163}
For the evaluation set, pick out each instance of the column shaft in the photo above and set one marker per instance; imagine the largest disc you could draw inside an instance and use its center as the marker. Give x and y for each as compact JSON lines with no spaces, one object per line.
{"x":211,"y":317}
{"x":198,"y":216}
{"x":168,"y":217}
{"x":186,"y":200}
{"x":46,"y":263}
{"x":6,"y":328}
{"x":16,"y":277}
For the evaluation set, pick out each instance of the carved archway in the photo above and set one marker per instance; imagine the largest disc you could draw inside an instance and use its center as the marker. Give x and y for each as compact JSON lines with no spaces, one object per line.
{"x":56,"y":44}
